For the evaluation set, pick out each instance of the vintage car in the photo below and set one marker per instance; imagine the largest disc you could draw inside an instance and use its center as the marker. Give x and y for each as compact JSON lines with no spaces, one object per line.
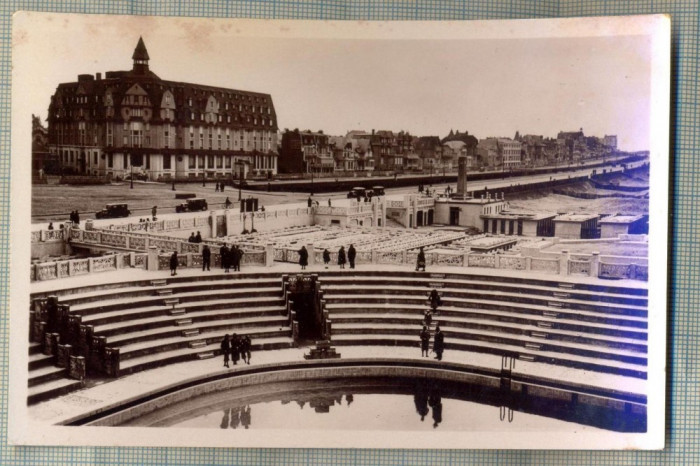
{"x":378,"y":190}
{"x":113,"y":211}
{"x":357,"y":191}
{"x":192,"y":205}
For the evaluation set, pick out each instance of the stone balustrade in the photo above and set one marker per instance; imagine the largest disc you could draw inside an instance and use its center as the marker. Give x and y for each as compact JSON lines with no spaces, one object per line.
{"x":74,"y":267}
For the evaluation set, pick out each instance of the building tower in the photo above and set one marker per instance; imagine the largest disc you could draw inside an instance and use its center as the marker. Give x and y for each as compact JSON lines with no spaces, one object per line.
{"x":140,"y":58}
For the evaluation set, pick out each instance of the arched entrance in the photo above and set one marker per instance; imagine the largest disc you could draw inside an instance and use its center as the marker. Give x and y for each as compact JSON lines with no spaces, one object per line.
{"x":419,"y":218}
{"x":431,"y":214}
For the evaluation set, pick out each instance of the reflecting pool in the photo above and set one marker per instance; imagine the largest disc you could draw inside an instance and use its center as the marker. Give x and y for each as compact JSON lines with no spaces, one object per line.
{"x":394,"y":404}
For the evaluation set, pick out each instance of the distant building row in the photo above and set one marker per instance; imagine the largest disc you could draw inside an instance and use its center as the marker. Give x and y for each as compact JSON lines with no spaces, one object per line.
{"x":316,"y":152}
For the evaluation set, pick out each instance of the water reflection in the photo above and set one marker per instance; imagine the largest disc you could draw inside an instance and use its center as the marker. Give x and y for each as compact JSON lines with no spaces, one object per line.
{"x":401,"y":403}
{"x":235,"y":417}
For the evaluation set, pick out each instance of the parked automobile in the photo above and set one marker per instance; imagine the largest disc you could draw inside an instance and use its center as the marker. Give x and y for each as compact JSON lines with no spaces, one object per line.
{"x":357,"y":191}
{"x":113,"y":211}
{"x":192,"y":205}
{"x":378,"y":190}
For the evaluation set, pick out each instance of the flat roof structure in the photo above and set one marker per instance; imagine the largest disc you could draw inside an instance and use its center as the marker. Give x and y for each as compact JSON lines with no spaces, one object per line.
{"x":576,"y":218}
{"x":621,"y":219}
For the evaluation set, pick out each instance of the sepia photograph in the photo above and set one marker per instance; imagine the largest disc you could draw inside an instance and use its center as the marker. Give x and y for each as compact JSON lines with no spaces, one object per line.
{"x":267,"y":233}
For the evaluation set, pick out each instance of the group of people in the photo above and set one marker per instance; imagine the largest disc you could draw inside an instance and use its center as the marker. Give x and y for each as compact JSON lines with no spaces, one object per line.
{"x":75,"y":217}
{"x":343,"y":257}
{"x":231,"y":257}
{"x":235,"y":348}
{"x":219,"y":187}
{"x":439,"y":337}
{"x":195,"y":238}
{"x":234,"y":417}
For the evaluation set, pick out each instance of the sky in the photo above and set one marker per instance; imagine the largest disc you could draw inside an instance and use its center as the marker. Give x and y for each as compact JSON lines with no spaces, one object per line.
{"x":488,"y":87}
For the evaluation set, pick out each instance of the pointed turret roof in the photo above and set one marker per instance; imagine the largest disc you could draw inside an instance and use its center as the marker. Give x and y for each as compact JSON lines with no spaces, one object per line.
{"x":140,"y":52}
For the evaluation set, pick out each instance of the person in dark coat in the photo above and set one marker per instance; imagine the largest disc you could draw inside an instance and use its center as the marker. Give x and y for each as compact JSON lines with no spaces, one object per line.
{"x":224,"y":253}
{"x":326,"y":257}
{"x":50,"y":225}
{"x":206,"y":258}
{"x":173,"y":263}
{"x":435,"y":300}
{"x":236,"y":255}
{"x":420,"y":261}
{"x":351,"y":256}
{"x":428,"y":318}
{"x":303,"y":257}
{"x":309,"y":202}
{"x":235,"y":348}
{"x":438,"y":343}
{"x":216,"y":187}
{"x":222,"y":186}
{"x":227,"y":203}
{"x":424,"y":341}
{"x":245,"y":416}
{"x":198,"y":238}
{"x":341,"y":257}
{"x":420,"y":399}
{"x":154,"y":211}
{"x":192,"y":238}
{"x":245,"y":349}
{"x":226,"y":348}
{"x":77,"y":218}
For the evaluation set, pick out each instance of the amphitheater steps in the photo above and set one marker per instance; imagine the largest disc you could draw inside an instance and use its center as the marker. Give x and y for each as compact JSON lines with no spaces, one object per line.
{"x":601,"y":327}
{"x":110,"y":317}
{"x":543,"y":287}
{"x":567,"y":360}
{"x":52,"y":389}
{"x":371,"y":301}
{"x":231,"y":323}
{"x":137,"y":349}
{"x":454,"y":295}
{"x":38,"y":360}
{"x":212,"y":349}
{"x":126,"y":302}
{"x":455,"y":334}
{"x":45,"y":374}
{"x":629,"y":344}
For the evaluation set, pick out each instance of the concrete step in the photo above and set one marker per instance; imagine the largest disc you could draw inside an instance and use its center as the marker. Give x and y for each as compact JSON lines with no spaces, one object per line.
{"x":177,"y":311}
{"x":164,"y":292}
{"x":38,"y":360}
{"x":175,"y":342}
{"x":159,"y":282}
{"x":171,"y":301}
{"x":51,"y":389}
{"x":45,"y":374}
{"x":543,"y":287}
{"x":488,"y":337}
{"x":503,"y":310}
{"x":207,"y":355}
{"x":567,"y":360}
{"x":183,"y":322}
{"x":411,"y":294}
{"x":190,"y":333}
{"x":151,"y":360}
{"x":507,"y":328}
{"x":198,"y":344}
{"x":202,"y":317}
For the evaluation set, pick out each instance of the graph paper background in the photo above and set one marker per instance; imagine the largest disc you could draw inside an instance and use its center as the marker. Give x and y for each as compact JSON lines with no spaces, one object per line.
{"x":683,"y":411}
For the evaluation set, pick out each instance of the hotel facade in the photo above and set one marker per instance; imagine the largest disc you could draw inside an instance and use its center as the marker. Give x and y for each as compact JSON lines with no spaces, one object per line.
{"x":135,"y":123}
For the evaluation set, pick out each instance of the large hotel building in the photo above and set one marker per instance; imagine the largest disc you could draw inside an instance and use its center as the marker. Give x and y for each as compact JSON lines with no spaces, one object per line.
{"x":135,"y":122}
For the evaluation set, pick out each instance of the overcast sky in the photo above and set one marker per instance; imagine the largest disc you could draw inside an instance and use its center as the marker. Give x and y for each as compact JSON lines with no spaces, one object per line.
{"x":487,"y":87}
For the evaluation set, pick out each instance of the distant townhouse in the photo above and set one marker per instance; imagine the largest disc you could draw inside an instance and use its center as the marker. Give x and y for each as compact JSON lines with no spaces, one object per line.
{"x":509,"y":152}
{"x":306,"y":152}
{"x":135,"y":122}
{"x":429,"y":151}
{"x":383,"y":145}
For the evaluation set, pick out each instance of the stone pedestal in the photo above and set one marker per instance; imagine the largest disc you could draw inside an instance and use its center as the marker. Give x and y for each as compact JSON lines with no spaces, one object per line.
{"x":152,"y":258}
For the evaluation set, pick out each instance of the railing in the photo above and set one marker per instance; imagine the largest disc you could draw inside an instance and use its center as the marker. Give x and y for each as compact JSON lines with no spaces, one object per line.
{"x":74,"y":267}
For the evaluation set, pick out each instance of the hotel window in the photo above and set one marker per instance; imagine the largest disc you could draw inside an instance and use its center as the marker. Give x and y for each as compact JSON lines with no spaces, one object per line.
{"x":110,"y":160}
{"x":110,"y":135}
{"x":166,"y":136}
{"x":200,"y":161}
{"x":192,"y":161}
{"x":191,"y":115}
{"x":136,"y":133}
{"x":167,"y":162}
{"x":191,"y":137}
{"x":210,"y":137}
{"x":218,"y":138}
{"x":228,"y":118}
{"x":201,"y":117}
{"x":219,"y":162}
{"x":201,"y":138}
{"x":210,"y":161}
{"x":189,"y":102}
{"x":228,"y":140}
{"x":228,"y":162}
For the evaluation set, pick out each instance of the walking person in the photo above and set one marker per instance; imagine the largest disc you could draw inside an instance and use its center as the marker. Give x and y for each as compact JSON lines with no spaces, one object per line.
{"x":428,"y":317}
{"x":309,"y":202}
{"x":226,"y":348}
{"x":227,"y":203}
{"x":206,"y":258}
{"x":245,"y":348}
{"x":223,"y":253}
{"x":303,"y":257}
{"x":329,"y":202}
{"x":326,"y":257}
{"x":154,"y":211}
{"x":351,"y":256}
{"x":236,"y":255}
{"x":216,"y":187}
{"x":435,"y":300}
{"x":222,"y":186}
{"x":50,"y":225}
{"x":420,"y":260}
{"x":77,"y":218}
{"x":341,"y":257}
{"x":438,"y":343}
{"x":198,"y":238}
{"x":235,"y":348}
{"x":424,"y":341}
{"x":173,"y":263}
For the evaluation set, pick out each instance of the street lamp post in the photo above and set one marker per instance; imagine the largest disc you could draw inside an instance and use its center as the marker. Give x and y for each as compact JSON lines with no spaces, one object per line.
{"x":131,"y":164}
{"x":239,"y":164}
{"x":204,"y":177}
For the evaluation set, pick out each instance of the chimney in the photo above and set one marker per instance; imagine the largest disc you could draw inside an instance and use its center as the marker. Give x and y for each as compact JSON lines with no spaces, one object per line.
{"x":98,"y":76}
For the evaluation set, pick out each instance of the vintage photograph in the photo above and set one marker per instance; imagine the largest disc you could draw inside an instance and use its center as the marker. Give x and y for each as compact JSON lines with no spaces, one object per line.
{"x":339,"y":234}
